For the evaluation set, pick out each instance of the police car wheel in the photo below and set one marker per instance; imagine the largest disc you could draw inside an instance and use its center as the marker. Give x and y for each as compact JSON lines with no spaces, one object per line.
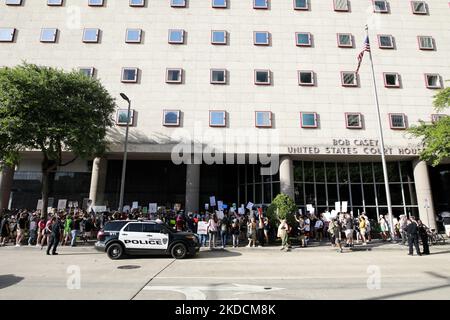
{"x":179,"y":251}
{"x":115,"y":251}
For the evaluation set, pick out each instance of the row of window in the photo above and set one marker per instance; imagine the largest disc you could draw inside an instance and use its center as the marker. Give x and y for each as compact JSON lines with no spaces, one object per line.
{"x":264,"y":77}
{"x":219,"y":37}
{"x":379,"y":6}
{"x":263,"y":119}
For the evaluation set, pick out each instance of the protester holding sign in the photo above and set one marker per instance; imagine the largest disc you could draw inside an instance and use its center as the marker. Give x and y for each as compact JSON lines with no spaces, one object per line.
{"x":212,"y":228}
{"x":235,"y":231}
{"x":251,"y":232}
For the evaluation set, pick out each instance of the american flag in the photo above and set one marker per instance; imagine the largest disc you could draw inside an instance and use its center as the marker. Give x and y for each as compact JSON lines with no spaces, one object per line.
{"x":361,"y":54}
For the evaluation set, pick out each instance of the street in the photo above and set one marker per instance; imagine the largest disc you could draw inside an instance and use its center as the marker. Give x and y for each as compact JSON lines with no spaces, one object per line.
{"x":377,"y":271}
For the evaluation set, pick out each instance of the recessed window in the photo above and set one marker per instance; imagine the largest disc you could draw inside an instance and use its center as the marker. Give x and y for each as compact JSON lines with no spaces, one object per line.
{"x":433,"y":81}
{"x":130,"y":75}
{"x":341,"y":5}
{"x":345,"y":40}
{"x":49,"y":35}
{"x":262,"y":77}
{"x":122,"y":117}
{"x":436,"y":117}
{"x":419,"y":7}
{"x":95,"y":3}
{"x":303,"y":39}
{"x":137,"y":3}
{"x":176,"y":36}
{"x":385,"y":41}
{"x":174,"y":75}
{"x":426,"y":43}
{"x":308,"y":119}
{"x":261,"y":4}
{"x":306,"y":78}
{"x":218,"y":76}
{"x":391,"y":80}
{"x":219,"y":3}
{"x":7,"y":34}
{"x":219,"y":37}
{"x":91,"y":35}
{"x":54,"y":2}
{"x":261,"y":38}
{"x":178,"y":3}
{"x":397,"y":120}
{"x":380,"y":6}
{"x":301,"y":5}
{"x":217,"y":118}
{"x":171,"y":118}
{"x":353,"y":120}
{"x":13,"y":2}
{"x":88,"y":71}
{"x":263,"y":119}
{"x":133,"y":36}
{"x":349,"y":79}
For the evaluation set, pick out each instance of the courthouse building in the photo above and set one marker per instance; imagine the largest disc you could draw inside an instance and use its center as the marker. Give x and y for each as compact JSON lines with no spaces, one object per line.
{"x":230,"y":77}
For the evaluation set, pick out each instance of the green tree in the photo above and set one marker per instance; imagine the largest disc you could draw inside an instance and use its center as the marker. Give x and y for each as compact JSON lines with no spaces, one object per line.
{"x":436,"y":136}
{"x":64,"y":115}
{"x":284,"y":206}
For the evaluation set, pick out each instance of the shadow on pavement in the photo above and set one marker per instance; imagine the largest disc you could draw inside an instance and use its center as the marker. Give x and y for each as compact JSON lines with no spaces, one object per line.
{"x":8,"y":280}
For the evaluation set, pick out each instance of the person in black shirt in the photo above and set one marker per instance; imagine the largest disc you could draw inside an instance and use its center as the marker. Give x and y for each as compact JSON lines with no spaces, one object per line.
{"x":423,"y":234}
{"x":413,"y":236}
{"x":54,"y":236}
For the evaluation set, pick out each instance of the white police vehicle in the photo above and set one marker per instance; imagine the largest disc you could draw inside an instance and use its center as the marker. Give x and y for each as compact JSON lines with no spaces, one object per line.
{"x":145,"y":237}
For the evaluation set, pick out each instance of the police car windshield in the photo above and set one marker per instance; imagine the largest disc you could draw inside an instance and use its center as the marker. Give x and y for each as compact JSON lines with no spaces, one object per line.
{"x":114,"y":225}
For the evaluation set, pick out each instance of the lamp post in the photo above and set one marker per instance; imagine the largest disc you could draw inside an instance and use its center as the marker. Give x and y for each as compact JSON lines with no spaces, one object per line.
{"x":124,"y":164}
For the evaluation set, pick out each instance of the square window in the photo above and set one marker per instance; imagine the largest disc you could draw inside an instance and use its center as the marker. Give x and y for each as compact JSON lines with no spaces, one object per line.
{"x":380,"y":6}
{"x":433,"y":81}
{"x":174,"y":75}
{"x":308,"y":119}
{"x":436,"y":117}
{"x":54,"y":2}
{"x":262,"y":77}
{"x":133,"y":36}
{"x":261,"y":4}
{"x":385,"y":41}
{"x":218,"y":37}
{"x":137,"y":3}
{"x":341,"y":5}
{"x":130,"y":75}
{"x":171,"y":118}
{"x":178,"y":3}
{"x":261,"y":38}
{"x":345,"y":40}
{"x":219,"y":3}
{"x":397,"y":120}
{"x":306,"y":78}
{"x":353,"y":120}
{"x":95,"y":3}
{"x":426,"y":43}
{"x":391,"y":80}
{"x":218,"y":76}
{"x":91,"y":35}
{"x":301,"y":5}
{"x":49,"y":35}
{"x":217,"y":118}
{"x":176,"y":36}
{"x":349,"y":79}
{"x":122,"y":117}
{"x":419,"y":7}
{"x":88,"y":72}
{"x":303,"y":39}
{"x":263,"y":119}
{"x":7,"y":34}
{"x":13,"y":2}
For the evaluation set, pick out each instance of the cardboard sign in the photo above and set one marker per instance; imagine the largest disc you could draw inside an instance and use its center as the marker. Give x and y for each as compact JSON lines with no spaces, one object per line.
{"x":206,"y":206}
{"x":220,"y":205}
{"x":135,"y":205}
{"x":202,"y":227}
{"x":219,"y":215}
{"x":309,"y":207}
{"x":344,"y":206}
{"x":152,"y":207}
{"x":249,"y":206}
{"x":337,"y":206}
{"x":62,"y":204}
{"x":212,"y":201}
{"x":40,"y":205}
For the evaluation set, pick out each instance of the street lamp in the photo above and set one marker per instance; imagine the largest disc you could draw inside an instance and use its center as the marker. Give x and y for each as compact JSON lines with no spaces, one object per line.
{"x":124,"y":164}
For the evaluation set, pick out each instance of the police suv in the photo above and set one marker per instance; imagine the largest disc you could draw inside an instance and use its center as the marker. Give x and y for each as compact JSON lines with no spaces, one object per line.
{"x":146,"y":237}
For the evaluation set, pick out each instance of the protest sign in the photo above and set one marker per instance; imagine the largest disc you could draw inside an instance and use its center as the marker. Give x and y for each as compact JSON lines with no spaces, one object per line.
{"x":220,"y":205}
{"x":212,"y":201}
{"x":344,"y":206}
{"x":152,"y":207}
{"x":202,"y":227}
{"x":337,"y":206}
{"x":249,"y":206}
{"x":62,"y":204}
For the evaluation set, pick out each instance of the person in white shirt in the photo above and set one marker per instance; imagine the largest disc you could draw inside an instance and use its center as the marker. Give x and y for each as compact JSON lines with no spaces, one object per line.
{"x":318,"y":227}
{"x":307,"y":229}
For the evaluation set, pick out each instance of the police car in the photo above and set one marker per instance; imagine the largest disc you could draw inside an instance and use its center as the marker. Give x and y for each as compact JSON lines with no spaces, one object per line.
{"x":135,"y":237}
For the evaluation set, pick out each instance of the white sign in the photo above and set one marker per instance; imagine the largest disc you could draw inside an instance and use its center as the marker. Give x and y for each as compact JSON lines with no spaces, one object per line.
{"x":99,"y":208}
{"x":334,"y":213}
{"x":126,"y":209}
{"x":309,"y":208}
{"x":212,"y":201}
{"x":135,"y":205}
{"x":219,"y":215}
{"x":62,"y":204}
{"x":344,"y":206}
{"x":202,"y":227}
{"x":75,"y":204}
{"x":220,"y":205}
{"x":337,"y":206}
{"x":206,"y":206}
{"x":241,"y":210}
{"x":327,"y":216}
{"x":40,"y":205}
{"x":249,"y":206}
{"x":152,"y":207}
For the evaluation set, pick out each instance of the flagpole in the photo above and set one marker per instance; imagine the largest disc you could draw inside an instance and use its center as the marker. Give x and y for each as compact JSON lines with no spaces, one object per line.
{"x":381,"y":137}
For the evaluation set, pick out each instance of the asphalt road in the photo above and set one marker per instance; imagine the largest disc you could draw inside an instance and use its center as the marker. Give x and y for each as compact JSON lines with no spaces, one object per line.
{"x":378,"y":271}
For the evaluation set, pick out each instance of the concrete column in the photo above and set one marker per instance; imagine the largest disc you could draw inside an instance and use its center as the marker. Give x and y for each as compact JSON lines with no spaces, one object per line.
{"x":6,"y":181}
{"x":287,"y":176}
{"x":424,"y":194}
{"x":192,"y":187}
{"x":98,"y":181}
